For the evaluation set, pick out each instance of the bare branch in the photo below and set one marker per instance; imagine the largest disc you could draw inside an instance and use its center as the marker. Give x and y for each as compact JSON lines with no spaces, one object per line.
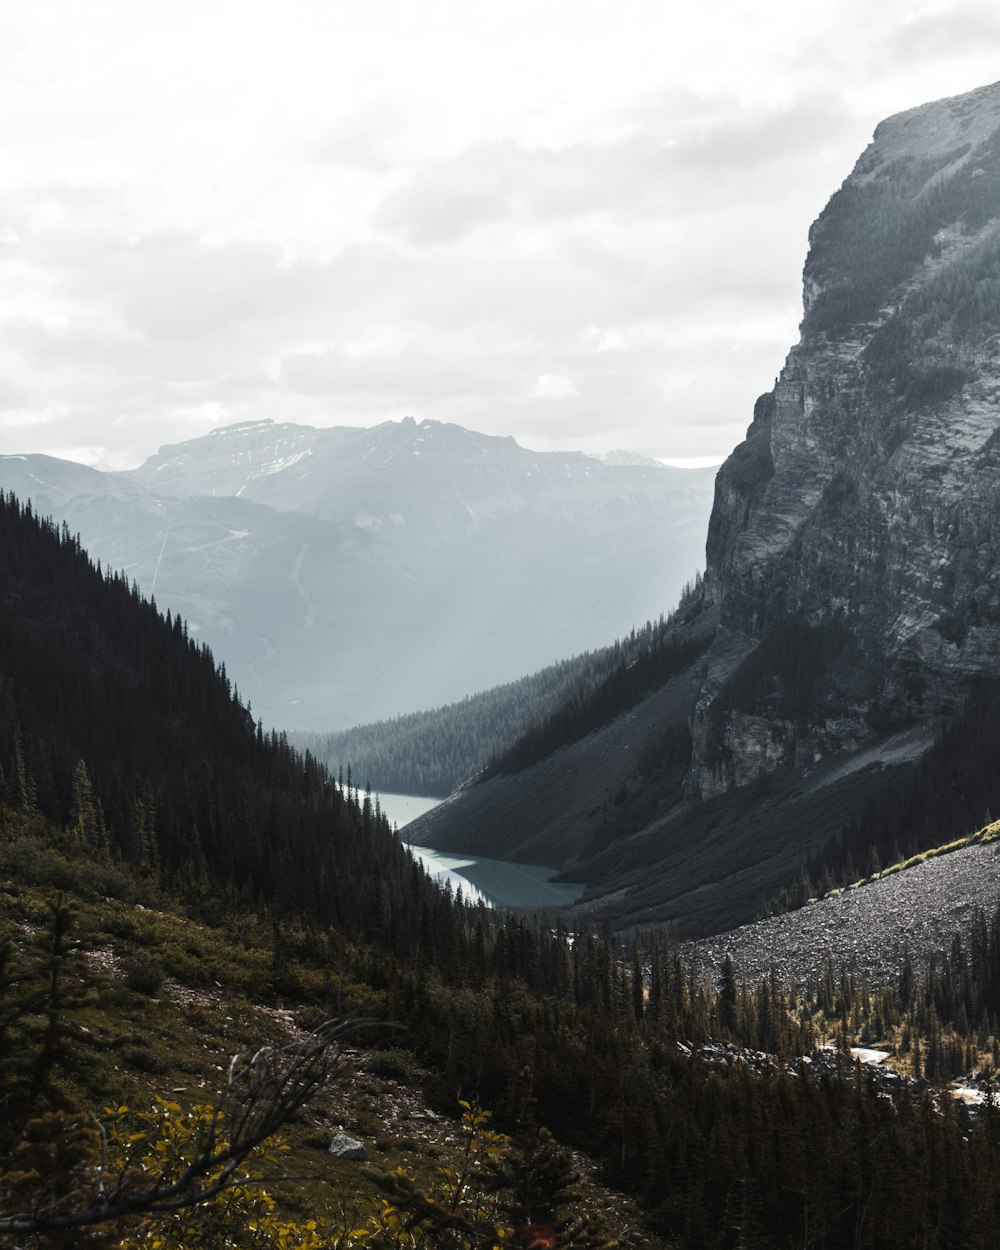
{"x":264,"y":1090}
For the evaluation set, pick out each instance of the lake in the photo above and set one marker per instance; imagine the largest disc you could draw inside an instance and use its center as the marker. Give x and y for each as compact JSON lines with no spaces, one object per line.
{"x":499,"y":882}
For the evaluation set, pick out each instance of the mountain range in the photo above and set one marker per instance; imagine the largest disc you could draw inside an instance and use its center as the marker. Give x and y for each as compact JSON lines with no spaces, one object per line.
{"x":347,"y":575}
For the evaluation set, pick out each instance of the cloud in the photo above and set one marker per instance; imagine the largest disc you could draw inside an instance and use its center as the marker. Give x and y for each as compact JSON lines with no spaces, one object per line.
{"x":424,"y":376}
{"x":370,"y":137}
{"x":11,"y":397}
{"x":554,"y":386}
{"x":575,"y":253}
{"x":125,"y":333}
{"x":936,"y":35}
{"x":656,"y":166}
{"x":175,"y":287}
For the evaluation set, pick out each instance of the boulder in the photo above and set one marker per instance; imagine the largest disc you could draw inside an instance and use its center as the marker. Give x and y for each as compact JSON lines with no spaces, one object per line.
{"x":344,"y":1147}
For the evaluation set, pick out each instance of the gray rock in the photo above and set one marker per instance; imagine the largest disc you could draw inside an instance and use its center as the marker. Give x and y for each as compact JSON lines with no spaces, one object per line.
{"x":344,"y":1147}
{"x":869,"y":928}
{"x":867,"y":490}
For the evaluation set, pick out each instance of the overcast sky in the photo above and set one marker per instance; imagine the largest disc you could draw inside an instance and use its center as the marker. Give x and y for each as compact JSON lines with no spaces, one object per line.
{"x":580,"y":222}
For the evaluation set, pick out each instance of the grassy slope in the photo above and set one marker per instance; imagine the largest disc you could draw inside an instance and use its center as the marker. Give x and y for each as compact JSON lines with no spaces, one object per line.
{"x":220,"y":995}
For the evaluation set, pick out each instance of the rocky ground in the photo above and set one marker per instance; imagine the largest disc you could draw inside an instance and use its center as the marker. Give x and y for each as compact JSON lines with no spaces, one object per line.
{"x":870,"y":927}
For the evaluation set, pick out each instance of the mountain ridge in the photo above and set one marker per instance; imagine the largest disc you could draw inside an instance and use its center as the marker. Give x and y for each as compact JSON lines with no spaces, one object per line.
{"x":435,"y":561}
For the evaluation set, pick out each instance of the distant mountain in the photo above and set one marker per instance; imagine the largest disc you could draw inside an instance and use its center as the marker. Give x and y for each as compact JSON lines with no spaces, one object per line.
{"x":269,"y":591}
{"x":852,"y":593}
{"x":629,"y":457}
{"x":421,"y":486}
{"x":347,"y":575}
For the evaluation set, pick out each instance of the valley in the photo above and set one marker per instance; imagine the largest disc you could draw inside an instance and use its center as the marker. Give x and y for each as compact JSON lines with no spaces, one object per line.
{"x":849,"y":609}
{"x":717,"y":961}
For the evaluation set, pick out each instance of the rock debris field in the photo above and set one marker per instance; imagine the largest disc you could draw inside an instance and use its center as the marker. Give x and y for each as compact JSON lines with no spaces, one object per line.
{"x":919,"y":909}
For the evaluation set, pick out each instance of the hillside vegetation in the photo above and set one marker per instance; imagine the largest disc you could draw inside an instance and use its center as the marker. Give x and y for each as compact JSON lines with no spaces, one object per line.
{"x":433,"y":753}
{"x":137,"y":952}
{"x":953,"y":791}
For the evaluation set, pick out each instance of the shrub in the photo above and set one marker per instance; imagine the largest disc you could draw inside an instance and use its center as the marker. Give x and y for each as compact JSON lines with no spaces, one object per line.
{"x":143,"y":972}
{"x":393,"y":1064}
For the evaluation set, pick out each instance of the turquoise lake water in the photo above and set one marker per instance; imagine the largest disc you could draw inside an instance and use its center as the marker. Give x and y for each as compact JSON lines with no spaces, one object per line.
{"x":496,"y":881}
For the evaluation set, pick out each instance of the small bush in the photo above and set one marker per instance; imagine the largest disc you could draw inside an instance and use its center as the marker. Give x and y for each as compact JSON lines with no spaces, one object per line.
{"x":143,"y":972}
{"x":392,"y":1065}
{"x":144,"y":1058}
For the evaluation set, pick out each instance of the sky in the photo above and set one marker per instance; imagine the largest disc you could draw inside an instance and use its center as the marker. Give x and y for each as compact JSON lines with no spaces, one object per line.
{"x":578,"y":222}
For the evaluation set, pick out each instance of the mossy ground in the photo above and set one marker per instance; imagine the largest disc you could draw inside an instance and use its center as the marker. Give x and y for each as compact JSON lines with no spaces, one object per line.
{"x":211,"y":990}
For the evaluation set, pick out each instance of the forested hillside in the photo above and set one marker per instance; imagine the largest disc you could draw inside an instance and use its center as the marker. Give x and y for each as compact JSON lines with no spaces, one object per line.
{"x":954,"y":790}
{"x":644,"y":663}
{"x":433,"y":752}
{"x":115,"y":722}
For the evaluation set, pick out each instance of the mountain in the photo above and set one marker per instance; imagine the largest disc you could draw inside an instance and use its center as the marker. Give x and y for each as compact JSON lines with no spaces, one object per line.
{"x":184,"y":898}
{"x":864,"y":500}
{"x":265,"y":589}
{"x":347,"y":575}
{"x":851,"y":591}
{"x":628,"y":457}
{"x":179,"y":886}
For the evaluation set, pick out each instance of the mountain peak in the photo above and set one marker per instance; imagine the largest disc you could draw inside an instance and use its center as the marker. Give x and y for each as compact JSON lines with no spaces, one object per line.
{"x":628,"y":458}
{"x":859,"y":513}
{"x":941,"y":126}
{"x":241,"y":427}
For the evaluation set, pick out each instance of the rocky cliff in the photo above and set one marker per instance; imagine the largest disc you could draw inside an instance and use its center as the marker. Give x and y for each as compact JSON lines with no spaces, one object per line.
{"x":854,"y":547}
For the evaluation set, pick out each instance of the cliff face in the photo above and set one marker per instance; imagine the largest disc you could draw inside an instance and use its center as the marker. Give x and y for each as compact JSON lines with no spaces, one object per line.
{"x":855,"y":534}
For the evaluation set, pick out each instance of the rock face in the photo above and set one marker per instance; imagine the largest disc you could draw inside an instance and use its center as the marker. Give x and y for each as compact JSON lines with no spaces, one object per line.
{"x":864,"y":503}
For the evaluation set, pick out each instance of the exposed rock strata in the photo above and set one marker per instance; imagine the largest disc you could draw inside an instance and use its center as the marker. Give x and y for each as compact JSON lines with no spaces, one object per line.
{"x":867,"y":490}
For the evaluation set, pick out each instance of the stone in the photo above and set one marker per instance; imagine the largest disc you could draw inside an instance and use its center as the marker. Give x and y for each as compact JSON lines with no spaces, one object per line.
{"x":344,"y":1147}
